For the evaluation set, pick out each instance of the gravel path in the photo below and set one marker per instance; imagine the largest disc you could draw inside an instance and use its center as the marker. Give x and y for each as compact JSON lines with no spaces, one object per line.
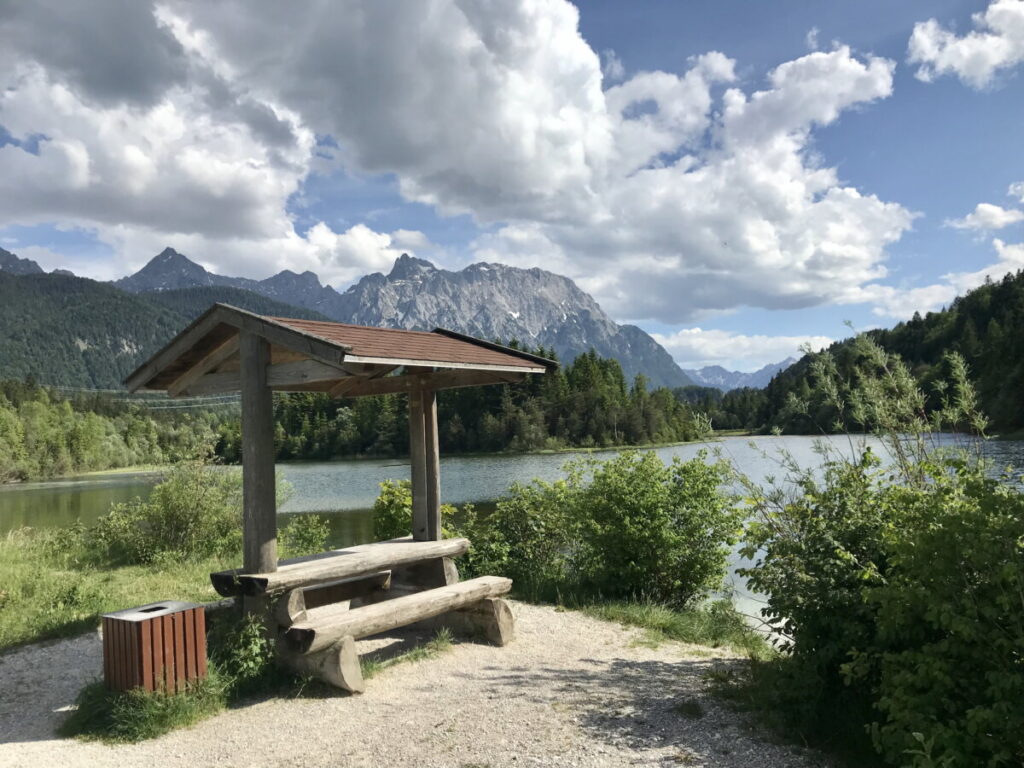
{"x":569,"y":691}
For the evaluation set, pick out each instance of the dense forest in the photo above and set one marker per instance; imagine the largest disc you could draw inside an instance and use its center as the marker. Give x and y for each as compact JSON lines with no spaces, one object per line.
{"x":736,"y":409}
{"x":986,"y":326}
{"x":44,"y":433}
{"x":586,"y":404}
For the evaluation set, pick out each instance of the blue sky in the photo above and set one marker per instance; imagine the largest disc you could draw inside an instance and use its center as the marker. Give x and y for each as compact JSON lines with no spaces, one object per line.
{"x":738,"y":178}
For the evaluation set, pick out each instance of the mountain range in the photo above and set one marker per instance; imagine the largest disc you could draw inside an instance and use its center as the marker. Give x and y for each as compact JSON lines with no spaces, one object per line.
{"x":492,"y":301}
{"x":718,"y":377}
{"x":96,"y":332}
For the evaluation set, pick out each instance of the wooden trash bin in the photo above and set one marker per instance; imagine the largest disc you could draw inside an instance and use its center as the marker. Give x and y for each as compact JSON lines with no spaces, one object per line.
{"x":160,"y":646}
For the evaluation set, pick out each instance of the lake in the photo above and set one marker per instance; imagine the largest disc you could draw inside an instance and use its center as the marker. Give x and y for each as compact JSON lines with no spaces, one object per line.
{"x":345,"y":490}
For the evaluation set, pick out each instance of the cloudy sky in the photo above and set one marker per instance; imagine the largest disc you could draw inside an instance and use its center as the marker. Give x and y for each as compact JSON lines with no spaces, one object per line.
{"x":738,"y":178}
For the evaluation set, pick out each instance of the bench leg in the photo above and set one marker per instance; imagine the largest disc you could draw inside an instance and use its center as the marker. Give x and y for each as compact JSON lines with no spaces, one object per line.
{"x":490,"y":618}
{"x":337,"y":665}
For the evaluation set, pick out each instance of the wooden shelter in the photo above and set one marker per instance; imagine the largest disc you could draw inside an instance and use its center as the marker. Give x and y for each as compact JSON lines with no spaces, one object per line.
{"x":228,"y":349}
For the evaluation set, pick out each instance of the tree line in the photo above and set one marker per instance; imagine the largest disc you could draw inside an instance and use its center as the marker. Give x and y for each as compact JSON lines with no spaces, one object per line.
{"x":587,"y":404}
{"x":44,"y":433}
{"x":984,"y":327}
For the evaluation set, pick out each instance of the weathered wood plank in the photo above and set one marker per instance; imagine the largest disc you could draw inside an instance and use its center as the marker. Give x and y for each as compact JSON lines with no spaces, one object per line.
{"x":279,"y":376}
{"x":440,"y":380}
{"x":294,"y":605}
{"x":313,"y":347}
{"x":418,"y":468}
{"x":369,"y":373}
{"x":428,"y":574}
{"x":335,"y":565}
{"x":188,"y":338}
{"x":310,"y":637}
{"x":259,"y":524}
{"x":212,"y":359}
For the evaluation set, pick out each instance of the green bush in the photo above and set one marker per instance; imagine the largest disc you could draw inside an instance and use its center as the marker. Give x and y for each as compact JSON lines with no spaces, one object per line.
{"x":651,"y":530}
{"x":303,"y":535}
{"x":630,"y":527}
{"x":895,"y":583}
{"x":194,"y":512}
{"x":392,"y":511}
{"x":946,"y":659}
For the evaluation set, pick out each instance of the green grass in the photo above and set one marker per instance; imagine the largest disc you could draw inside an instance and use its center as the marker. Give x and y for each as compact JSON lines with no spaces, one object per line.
{"x":717,"y":625}
{"x":441,"y":642}
{"x":136,"y":715}
{"x":49,"y":588}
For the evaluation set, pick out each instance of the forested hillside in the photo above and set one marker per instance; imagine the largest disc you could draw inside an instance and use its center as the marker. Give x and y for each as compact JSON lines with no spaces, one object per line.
{"x":70,"y":331}
{"x":46,"y":434}
{"x":986,"y":326}
{"x":192,"y":302}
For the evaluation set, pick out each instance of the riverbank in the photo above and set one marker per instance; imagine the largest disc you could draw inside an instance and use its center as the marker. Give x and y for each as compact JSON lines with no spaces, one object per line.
{"x":570,"y":690}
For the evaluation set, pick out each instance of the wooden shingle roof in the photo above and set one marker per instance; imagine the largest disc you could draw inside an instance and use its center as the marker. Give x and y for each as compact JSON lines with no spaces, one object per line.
{"x":311,"y":355}
{"x":438,"y":348}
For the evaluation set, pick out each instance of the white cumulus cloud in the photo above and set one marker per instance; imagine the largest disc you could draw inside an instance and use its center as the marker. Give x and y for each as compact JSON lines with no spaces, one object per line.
{"x":667,"y":195}
{"x":903,"y":303}
{"x":986,"y":216}
{"x":995,"y":43}
{"x":698,"y":347}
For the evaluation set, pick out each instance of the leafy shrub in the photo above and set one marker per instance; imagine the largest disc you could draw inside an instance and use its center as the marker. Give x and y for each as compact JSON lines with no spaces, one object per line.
{"x":895,"y":585}
{"x":194,"y":512}
{"x":532,"y":537}
{"x":655,"y":530}
{"x":946,"y":661}
{"x":392,"y":511}
{"x":628,"y":527}
{"x":303,"y":535}
{"x":243,"y":653}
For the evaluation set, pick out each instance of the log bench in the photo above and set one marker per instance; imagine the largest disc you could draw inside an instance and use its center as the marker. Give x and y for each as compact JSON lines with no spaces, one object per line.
{"x":321,"y":605}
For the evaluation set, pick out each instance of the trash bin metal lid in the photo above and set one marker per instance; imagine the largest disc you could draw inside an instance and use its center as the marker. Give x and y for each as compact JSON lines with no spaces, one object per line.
{"x":151,"y":611}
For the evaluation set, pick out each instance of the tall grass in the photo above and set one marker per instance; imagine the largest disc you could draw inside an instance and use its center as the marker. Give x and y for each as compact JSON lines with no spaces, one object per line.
{"x":50,"y":585}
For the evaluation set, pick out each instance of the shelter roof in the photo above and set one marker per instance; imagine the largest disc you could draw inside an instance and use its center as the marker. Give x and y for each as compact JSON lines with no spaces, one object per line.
{"x":311,"y":355}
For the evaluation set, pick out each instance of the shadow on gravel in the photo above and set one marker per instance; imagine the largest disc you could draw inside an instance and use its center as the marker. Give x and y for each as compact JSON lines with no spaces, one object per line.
{"x":648,"y":705}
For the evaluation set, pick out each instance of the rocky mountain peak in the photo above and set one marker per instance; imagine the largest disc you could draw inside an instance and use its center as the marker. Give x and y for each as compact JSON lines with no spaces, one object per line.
{"x":16,"y":265}
{"x":408,"y":267}
{"x":491,"y":301}
{"x":726,"y":380}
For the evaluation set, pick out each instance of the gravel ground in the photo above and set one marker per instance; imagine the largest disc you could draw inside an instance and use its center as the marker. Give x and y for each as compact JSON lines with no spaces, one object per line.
{"x":569,"y":691}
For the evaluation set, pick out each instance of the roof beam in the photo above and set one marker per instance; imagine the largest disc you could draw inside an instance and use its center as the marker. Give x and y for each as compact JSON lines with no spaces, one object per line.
{"x":409,"y":362}
{"x":181,"y":343}
{"x":213,"y":359}
{"x":369,"y":373}
{"x":361,"y":386}
{"x":327,"y":352}
{"x":280,"y":376}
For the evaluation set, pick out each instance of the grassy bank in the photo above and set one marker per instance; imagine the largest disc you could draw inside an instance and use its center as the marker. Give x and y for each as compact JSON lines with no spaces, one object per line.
{"x":50,"y":586}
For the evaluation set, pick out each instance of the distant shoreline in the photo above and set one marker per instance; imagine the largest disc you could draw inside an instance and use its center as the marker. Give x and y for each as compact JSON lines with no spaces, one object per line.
{"x":154,"y":469}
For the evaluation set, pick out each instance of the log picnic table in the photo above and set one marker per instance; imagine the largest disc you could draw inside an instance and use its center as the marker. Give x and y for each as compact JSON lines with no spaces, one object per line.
{"x":322,"y":604}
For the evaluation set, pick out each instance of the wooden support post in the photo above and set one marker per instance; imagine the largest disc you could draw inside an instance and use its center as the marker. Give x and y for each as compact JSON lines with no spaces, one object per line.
{"x":433,"y":465}
{"x":259,"y":523}
{"x":418,"y":465}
